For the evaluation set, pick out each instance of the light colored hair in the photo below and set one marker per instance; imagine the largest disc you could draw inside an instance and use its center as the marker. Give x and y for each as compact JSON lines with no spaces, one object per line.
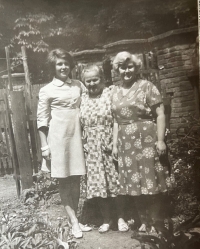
{"x":92,"y":67}
{"x":124,"y":57}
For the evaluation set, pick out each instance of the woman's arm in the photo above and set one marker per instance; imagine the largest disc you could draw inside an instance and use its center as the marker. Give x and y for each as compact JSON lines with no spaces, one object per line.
{"x":161,"y":146}
{"x":43,"y":135}
{"x":43,"y":114}
{"x":115,"y":138}
{"x":43,"y":131}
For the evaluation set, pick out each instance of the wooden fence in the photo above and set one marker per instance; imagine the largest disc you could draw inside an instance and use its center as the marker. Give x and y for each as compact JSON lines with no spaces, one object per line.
{"x":5,"y":151}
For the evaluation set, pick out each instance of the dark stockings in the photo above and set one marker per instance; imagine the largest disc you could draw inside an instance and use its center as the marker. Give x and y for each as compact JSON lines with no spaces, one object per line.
{"x":148,"y":207}
{"x":104,"y":205}
{"x":120,"y":202}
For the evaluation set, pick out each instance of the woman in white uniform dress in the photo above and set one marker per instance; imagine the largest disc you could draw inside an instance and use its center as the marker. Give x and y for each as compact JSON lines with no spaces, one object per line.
{"x":60,"y":132}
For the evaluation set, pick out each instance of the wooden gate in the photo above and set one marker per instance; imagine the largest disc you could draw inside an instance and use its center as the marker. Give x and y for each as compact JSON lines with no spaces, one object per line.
{"x":6,"y":166}
{"x":17,"y":134}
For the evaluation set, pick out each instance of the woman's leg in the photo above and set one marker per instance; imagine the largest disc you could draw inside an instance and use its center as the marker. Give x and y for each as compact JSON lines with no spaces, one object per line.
{"x":75,"y":187}
{"x":154,"y":208}
{"x":69,"y":202}
{"x":104,"y":206}
{"x":142,"y":206}
{"x":121,"y":202}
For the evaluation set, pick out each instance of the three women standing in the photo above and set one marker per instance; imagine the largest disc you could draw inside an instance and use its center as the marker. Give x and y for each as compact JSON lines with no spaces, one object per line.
{"x":138,"y":138}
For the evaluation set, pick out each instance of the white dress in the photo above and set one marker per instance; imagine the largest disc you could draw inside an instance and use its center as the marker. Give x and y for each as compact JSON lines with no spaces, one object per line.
{"x":58,"y":109}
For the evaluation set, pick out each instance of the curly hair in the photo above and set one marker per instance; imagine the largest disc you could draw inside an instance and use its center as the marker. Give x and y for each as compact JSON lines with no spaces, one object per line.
{"x":92,"y":67}
{"x":124,"y":57}
{"x":59,"y":53}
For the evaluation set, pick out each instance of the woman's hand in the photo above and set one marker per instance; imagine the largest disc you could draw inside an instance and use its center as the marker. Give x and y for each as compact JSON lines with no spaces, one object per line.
{"x":115,"y":153}
{"x":46,"y":154}
{"x":161,"y":147}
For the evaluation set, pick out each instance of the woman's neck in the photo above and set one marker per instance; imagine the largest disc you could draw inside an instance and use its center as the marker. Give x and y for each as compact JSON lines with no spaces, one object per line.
{"x":62,"y":79}
{"x":95,"y":96}
{"x":127,"y":85}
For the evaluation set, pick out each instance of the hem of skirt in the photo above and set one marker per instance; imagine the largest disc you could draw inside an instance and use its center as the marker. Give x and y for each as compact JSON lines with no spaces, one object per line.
{"x":102,"y":196}
{"x":164,"y":191}
{"x":76,"y":174}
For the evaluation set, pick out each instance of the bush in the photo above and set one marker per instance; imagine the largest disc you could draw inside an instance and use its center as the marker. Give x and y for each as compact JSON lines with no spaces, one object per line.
{"x":185,"y":152}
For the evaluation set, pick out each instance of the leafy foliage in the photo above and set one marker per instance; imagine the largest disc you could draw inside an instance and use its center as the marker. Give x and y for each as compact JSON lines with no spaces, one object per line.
{"x":83,"y":24}
{"x":28,"y":227}
{"x":44,"y":188}
{"x":185,"y":150}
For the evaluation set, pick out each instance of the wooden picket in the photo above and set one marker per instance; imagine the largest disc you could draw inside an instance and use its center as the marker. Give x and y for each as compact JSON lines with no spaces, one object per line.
{"x":5,"y":150}
{"x":21,"y":138}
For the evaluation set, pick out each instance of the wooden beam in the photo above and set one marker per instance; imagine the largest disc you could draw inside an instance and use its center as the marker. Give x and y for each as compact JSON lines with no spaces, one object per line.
{"x":29,"y":104}
{"x":21,"y":138}
{"x":8,"y":125}
{"x":26,"y":71}
{"x":9,"y":68}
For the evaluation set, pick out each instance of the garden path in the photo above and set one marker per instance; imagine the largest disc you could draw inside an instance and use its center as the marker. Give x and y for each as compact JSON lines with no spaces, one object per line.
{"x":91,"y":240}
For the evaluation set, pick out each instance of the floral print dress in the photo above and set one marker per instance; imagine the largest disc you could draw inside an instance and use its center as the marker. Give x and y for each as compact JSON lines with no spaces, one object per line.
{"x":97,"y":125}
{"x":141,"y":170}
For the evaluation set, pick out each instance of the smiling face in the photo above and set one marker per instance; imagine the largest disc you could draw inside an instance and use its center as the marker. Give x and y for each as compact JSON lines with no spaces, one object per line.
{"x":62,"y":69}
{"x":93,"y":82}
{"x":127,"y":72}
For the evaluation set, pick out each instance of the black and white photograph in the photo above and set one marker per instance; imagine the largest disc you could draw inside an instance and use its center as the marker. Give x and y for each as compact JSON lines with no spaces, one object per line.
{"x":99,"y":124}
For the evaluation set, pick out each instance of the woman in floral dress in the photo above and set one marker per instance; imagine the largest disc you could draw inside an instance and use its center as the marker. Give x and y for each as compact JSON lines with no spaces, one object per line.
{"x":138,"y":142}
{"x":97,"y":124}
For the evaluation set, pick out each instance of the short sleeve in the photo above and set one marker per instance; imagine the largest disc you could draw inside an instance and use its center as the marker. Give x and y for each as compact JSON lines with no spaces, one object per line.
{"x":153,"y":96}
{"x":43,"y":111}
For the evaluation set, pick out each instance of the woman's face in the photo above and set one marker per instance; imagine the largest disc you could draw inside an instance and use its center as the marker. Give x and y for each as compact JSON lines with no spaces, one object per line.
{"x":62,"y":69}
{"x":93,"y":83}
{"x":127,"y":72}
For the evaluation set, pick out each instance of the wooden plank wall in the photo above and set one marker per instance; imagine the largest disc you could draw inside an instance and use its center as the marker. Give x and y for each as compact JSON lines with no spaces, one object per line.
{"x":6,"y":166}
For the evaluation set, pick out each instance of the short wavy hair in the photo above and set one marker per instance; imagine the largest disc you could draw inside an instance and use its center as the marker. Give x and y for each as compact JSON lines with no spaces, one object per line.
{"x":92,"y":67}
{"x":59,"y":53}
{"x":124,"y":57}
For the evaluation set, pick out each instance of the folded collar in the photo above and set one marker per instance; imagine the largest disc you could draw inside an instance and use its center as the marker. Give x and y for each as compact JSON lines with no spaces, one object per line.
{"x":58,"y":82}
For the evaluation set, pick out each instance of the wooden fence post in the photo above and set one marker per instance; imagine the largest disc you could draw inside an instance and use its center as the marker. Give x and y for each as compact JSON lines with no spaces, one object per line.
{"x":28,"y":96}
{"x":9,"y":68}
{"x":21,"y":138}
{"x":8,"y":123}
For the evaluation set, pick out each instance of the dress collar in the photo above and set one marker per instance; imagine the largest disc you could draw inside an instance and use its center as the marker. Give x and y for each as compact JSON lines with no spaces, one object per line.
{"x":57,"y":82}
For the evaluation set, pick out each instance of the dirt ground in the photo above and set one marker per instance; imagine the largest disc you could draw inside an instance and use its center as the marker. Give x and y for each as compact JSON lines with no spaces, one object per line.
{"x":91,"y":240}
